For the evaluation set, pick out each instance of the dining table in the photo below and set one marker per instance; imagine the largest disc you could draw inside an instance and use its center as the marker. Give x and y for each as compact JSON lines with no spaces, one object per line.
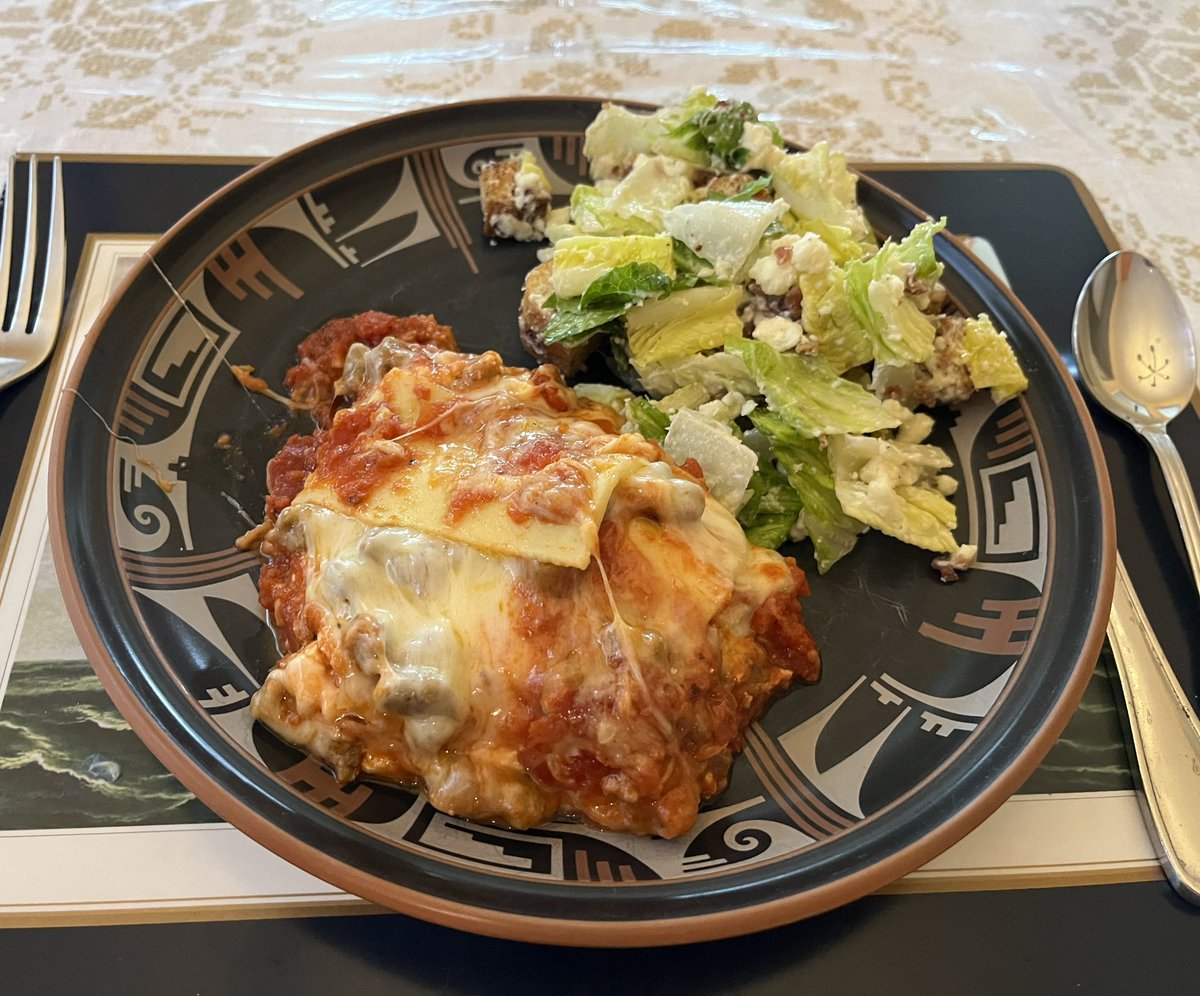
{"x":1048,"y":134}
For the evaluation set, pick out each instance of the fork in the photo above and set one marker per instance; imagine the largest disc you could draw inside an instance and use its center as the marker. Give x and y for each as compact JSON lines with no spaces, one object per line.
{"x":24,"y":346}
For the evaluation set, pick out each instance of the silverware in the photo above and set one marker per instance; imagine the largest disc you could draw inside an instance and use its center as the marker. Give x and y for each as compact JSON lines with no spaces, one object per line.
{"x":1166,"y":739}
{"x":1137,"y":356}
{"x":24,"y":346}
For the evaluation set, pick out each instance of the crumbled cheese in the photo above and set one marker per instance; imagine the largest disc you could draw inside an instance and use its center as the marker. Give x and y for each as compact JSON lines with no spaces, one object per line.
{"x":728,"y":407}
{"x":780,"y":333}
{"x":758,"y":140}
{"x":946,"y":484}
{"x":914,"y":427}
{"x":787,"y":257}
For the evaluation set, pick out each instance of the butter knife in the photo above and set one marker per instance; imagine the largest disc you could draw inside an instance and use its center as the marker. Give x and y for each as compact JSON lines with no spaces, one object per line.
{"x":1165,"y":736}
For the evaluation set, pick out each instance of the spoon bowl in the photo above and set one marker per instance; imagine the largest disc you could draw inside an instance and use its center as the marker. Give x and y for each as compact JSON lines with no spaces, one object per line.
{"x":1133,"y":341}
{"x":1137,"y":356}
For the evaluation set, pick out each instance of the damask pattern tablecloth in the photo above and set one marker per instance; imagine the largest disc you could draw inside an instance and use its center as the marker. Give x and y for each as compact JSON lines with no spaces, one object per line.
{"x":1110,"y":91}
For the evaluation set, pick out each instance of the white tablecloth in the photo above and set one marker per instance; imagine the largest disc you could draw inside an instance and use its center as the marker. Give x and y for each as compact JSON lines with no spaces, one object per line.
{"x":1110,"y":91}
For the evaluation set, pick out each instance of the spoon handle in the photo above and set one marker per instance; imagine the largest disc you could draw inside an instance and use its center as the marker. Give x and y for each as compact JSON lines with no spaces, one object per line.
{"x":1182,"y":495}
{"x":1166,"y":739}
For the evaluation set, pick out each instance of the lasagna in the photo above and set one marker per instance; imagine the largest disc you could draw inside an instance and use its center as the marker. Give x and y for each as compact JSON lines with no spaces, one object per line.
{"x":487,"y":590}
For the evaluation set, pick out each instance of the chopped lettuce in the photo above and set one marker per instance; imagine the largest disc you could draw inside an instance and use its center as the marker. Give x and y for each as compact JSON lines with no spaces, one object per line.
{"x":804,"y":462}
{"x":771,"y":508}
{"x":819,"y":188}
{"x":876,"y":290}
{"x":634,"y":206}
{"x":916,"y":249}
{"x":839,"y":240}
{"x":690,"y":269}
{"x":618,"y":135}
{"x":827,"y":317}
{"x":715,"y":372}
{"x":990,"y":359}
{"x":808,"y":392}
{"x":755,"y":186}
{"x":688,"y":321}
{"x":721,"y":131}
{"x":725,"y":233}
{"x":582,"y":259}
{"x":592,"y":213}
{"x":651,"y":421}
{"x":893,"y":487}
{"x":605,"y":299}
{"x":573,"y":326}
{"x":899,"y":333}
{"x":727,"y":462}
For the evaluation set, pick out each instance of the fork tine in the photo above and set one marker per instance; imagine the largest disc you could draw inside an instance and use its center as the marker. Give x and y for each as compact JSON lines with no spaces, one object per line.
{"x":54,"y":281}
{"x":20,"y":316}
{"x":6,"y":236}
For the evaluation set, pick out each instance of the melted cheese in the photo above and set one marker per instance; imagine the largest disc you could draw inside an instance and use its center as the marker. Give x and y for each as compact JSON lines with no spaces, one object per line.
{"x":486,"y":654}
{"x":453,"y":453}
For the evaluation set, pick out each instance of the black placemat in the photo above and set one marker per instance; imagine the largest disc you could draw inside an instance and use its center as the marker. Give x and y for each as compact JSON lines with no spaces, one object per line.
{"x":1102,"y":939}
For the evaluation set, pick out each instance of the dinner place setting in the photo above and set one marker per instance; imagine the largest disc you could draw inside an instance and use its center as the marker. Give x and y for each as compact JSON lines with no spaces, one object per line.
{"x":498,"y":487}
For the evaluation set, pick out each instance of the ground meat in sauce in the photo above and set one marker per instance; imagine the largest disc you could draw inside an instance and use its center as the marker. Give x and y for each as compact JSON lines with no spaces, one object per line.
{"x":322,"y":355}
{"x":648,"y":780}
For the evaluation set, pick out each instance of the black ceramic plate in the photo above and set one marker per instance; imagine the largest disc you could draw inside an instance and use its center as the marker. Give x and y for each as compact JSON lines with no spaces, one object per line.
{"x":936,"y":701}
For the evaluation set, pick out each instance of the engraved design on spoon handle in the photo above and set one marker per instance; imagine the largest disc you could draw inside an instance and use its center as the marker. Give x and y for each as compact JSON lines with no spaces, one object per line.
{"x":1182,"y":495}
{"x":1166,"y":739}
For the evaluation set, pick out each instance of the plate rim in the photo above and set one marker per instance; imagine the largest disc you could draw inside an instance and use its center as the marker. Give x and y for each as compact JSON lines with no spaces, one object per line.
{"x":522,"y":926}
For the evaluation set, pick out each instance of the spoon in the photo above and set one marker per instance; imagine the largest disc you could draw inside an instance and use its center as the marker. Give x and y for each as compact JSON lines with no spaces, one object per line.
{"x":1137,"y":356}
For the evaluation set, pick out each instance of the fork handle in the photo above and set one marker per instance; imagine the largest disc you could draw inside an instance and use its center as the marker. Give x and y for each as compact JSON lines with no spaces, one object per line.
{"x":1182,"y":495}
{"x":1165,"y":736}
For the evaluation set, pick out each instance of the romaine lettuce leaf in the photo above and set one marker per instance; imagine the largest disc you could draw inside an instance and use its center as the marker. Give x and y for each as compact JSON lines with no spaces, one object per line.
{"x":651,"y":421}
{"x":725,"y":233}
{"x":819,"y":188}
{"x":808,"y":392}
{"x":772,"y":507}
{"x":893,"y":487}
{"x":827,"y":316}
{"x":832,"y":531}
{"x":899,"y":333}
{"x":991,"y":361}
{"x":634,"y":206}
{"x":875,"y":287}
{"x":690,"y":269}
{"x":592,"y":213}
{"x":582,"y":259}
{"x":916,"y":249}
{"x":606,"y":298}
{"x":715,"y":372}
{"x":617,"y":135}
{"x":688,"y":321}
{"x":719,"y":129}
{"x":727,"y":462}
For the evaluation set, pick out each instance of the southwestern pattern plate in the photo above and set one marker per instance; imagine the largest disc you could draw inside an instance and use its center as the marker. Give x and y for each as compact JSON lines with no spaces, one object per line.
{"x":936,"y":700}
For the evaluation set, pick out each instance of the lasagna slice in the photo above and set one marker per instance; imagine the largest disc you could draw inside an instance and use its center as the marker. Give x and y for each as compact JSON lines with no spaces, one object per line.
{"x":487,"y":590}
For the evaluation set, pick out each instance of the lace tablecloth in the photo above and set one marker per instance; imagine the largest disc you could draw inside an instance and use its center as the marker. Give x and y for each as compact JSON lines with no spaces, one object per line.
{"x":1110,"y":91}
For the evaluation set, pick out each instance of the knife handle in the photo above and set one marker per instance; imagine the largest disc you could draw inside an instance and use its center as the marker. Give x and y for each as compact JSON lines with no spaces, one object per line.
{"x":1166,"y":739}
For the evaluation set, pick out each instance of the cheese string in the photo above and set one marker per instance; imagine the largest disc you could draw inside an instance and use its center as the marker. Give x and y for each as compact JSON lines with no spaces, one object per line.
{"x":630,"y":655}
{"x":142,"y":461}
{"x":238,"y":372}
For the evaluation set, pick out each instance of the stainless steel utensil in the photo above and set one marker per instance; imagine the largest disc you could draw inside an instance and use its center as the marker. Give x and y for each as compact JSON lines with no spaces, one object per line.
{"x":1166,"y":739}
{"x":24,"y":346}
{"x":1137,"y":356}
